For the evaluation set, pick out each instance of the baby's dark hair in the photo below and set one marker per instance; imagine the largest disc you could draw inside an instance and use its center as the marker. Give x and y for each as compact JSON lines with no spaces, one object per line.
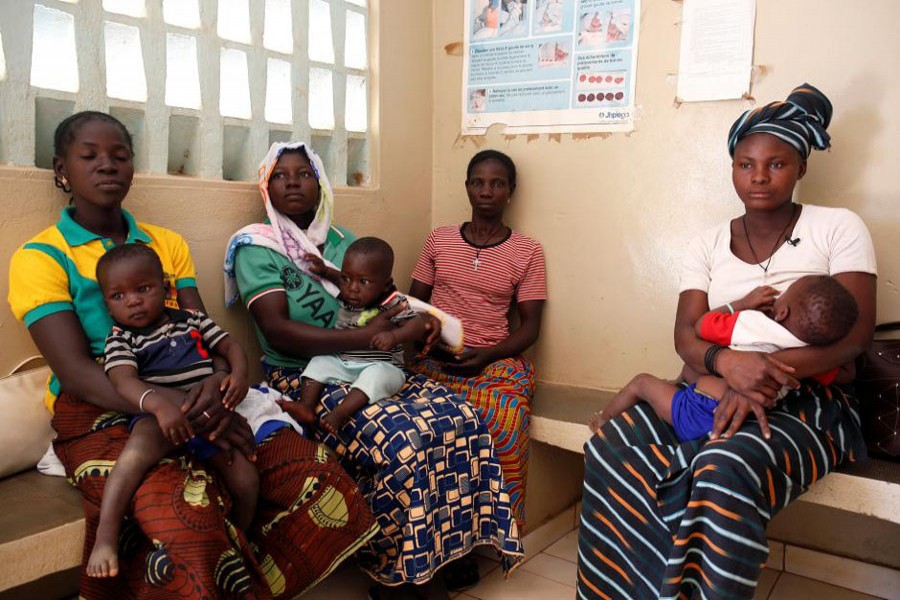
{"x":503,"y":159}
{"x":68,"y":128}
{"x":827,"y":311}
{"x":117,"y":254}
{"x":378,"y":248}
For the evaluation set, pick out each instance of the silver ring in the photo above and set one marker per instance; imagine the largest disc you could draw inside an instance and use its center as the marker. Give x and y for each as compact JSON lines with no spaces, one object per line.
{"x":207,"y":415}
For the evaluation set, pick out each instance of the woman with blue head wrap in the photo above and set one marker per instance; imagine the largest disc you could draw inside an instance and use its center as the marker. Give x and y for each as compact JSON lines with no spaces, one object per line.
{"x":663,"y":519}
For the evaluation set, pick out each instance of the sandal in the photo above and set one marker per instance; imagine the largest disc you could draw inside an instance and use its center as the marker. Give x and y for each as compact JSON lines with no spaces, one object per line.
{"x":461,"y":574}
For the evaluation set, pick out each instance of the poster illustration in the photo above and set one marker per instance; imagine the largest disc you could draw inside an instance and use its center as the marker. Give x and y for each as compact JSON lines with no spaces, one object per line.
{"x":550,"y":66}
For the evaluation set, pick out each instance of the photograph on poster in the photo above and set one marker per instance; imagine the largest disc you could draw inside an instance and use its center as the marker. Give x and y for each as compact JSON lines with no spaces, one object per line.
{"x":477,"y":100}
{"x":548,"y":16}
{"x":499,"y":19}
{"x":603,"y":28}
{"x":554,"y":55}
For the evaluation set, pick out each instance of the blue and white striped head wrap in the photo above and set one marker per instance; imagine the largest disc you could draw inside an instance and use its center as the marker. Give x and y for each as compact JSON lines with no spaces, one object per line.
{"x":800,"y":121}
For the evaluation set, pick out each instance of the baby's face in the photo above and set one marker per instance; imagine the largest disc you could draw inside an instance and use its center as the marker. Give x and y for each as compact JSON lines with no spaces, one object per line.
{"x":791,"y":298}
{"x":134,"y":292}
{"x":788,"y":298}
{"x":363,"y":280}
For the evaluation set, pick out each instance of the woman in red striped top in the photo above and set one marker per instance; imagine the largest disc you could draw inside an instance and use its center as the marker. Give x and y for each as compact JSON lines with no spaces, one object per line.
{"x":477,"y":271}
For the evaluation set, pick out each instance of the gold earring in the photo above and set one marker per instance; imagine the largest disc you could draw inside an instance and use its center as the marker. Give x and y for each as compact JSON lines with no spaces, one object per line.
{"x":62,"y":183}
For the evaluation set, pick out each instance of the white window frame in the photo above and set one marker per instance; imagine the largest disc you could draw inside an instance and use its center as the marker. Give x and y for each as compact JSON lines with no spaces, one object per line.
{"x":22,"y":106}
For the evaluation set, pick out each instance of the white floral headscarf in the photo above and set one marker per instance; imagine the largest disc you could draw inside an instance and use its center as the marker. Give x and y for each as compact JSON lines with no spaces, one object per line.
{"x":281,"y":234}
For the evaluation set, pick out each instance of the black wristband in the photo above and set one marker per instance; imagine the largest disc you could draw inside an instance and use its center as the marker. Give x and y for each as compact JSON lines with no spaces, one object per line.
{"x":709,"y":360}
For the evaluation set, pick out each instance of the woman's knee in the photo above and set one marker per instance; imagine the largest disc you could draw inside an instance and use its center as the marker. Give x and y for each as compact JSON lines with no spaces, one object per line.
{"x":732,"y":463}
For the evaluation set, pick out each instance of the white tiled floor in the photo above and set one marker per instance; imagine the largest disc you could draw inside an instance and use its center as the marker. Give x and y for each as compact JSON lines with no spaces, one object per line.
{"x":551,"y":575}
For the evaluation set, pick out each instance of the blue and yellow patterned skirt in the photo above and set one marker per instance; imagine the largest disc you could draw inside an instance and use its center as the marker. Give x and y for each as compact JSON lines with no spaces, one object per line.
{"x":427,"y":466}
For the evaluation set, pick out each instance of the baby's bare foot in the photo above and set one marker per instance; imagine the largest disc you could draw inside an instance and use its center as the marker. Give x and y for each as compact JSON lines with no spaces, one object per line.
{"x":597,"y":420}
{"x":333,"y":421}
{"x":299,"y":411}
{"x":104,"y":561}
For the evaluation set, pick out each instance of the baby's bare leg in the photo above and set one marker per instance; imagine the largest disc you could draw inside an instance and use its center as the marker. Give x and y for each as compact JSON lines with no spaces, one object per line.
{"x":653,"y":390}
{"x":144,"y":448}
{"x":310,"y":392}
{"x":304,"y":410}
{"x":688,"y":374}
{"x":241,"y":479}
{"x":712,"y":386}
{"x":352,"y":402}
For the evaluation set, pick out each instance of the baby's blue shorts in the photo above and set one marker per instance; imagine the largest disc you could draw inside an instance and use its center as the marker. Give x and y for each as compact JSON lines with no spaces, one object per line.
{"x":692,"y":413}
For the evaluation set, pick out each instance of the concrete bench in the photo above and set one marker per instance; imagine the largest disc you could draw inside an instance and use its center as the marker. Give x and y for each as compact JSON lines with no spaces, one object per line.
{"x":41,"y":532}
{"x":870,"y":488}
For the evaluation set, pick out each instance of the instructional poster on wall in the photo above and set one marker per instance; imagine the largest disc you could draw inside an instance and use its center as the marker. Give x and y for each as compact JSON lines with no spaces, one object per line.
{"x":550,"y":66}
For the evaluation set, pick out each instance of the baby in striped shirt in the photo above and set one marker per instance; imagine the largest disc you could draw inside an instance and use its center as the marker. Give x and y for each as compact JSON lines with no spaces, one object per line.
{"x":367,"y":289}
{"x":152,"y":347}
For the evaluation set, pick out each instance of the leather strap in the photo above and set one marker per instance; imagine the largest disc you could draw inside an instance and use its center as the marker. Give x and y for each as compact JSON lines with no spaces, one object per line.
{"x":31,"y":362}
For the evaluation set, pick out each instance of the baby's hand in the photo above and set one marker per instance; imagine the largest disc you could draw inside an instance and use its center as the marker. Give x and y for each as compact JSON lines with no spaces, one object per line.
{"x":384,"y":341}
{"x":234,"y":388}
{"x":760,"y":298}
{"x":172,"y":422}
{"x":317,"y":266}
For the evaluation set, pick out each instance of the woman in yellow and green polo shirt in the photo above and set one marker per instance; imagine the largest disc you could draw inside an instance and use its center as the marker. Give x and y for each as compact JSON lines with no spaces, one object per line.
{"x":177,"y":540}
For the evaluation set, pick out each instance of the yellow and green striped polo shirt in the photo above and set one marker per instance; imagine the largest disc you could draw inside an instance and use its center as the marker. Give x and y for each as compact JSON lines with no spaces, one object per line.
{"x":54,"y":272}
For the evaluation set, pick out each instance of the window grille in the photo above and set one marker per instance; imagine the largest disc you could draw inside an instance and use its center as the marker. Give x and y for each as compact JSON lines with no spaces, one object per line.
{"x":203,"y":85}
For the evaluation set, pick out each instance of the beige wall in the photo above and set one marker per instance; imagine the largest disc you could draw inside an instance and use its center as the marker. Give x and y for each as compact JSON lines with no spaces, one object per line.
{"x":398,"y":209}
{"x":614,"y":212}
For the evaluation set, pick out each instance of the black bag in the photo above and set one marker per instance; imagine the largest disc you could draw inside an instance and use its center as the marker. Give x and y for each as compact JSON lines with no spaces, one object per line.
{"x":878,"y":385}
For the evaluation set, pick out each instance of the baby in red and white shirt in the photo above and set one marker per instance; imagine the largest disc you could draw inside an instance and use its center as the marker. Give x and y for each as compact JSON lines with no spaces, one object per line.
{"x":816,"y":310}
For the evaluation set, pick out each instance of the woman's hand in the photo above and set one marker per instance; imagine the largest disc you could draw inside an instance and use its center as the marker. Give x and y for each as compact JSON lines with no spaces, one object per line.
{"x":382,"y":324}
{"x":382,"y":321}
{"x":433,"y":327}
{"x":236,"y":436}
{"x":203,"y":406}
{"x":470,"y":361}
{"x":733,"y":408}
{"x":757,"y":376}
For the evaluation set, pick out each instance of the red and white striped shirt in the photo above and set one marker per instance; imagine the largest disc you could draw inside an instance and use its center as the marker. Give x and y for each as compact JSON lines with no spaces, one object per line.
{"x":513,"y":269}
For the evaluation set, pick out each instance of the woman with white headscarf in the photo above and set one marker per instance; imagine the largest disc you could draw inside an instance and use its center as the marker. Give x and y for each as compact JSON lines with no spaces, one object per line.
{"x":424,"y":460}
